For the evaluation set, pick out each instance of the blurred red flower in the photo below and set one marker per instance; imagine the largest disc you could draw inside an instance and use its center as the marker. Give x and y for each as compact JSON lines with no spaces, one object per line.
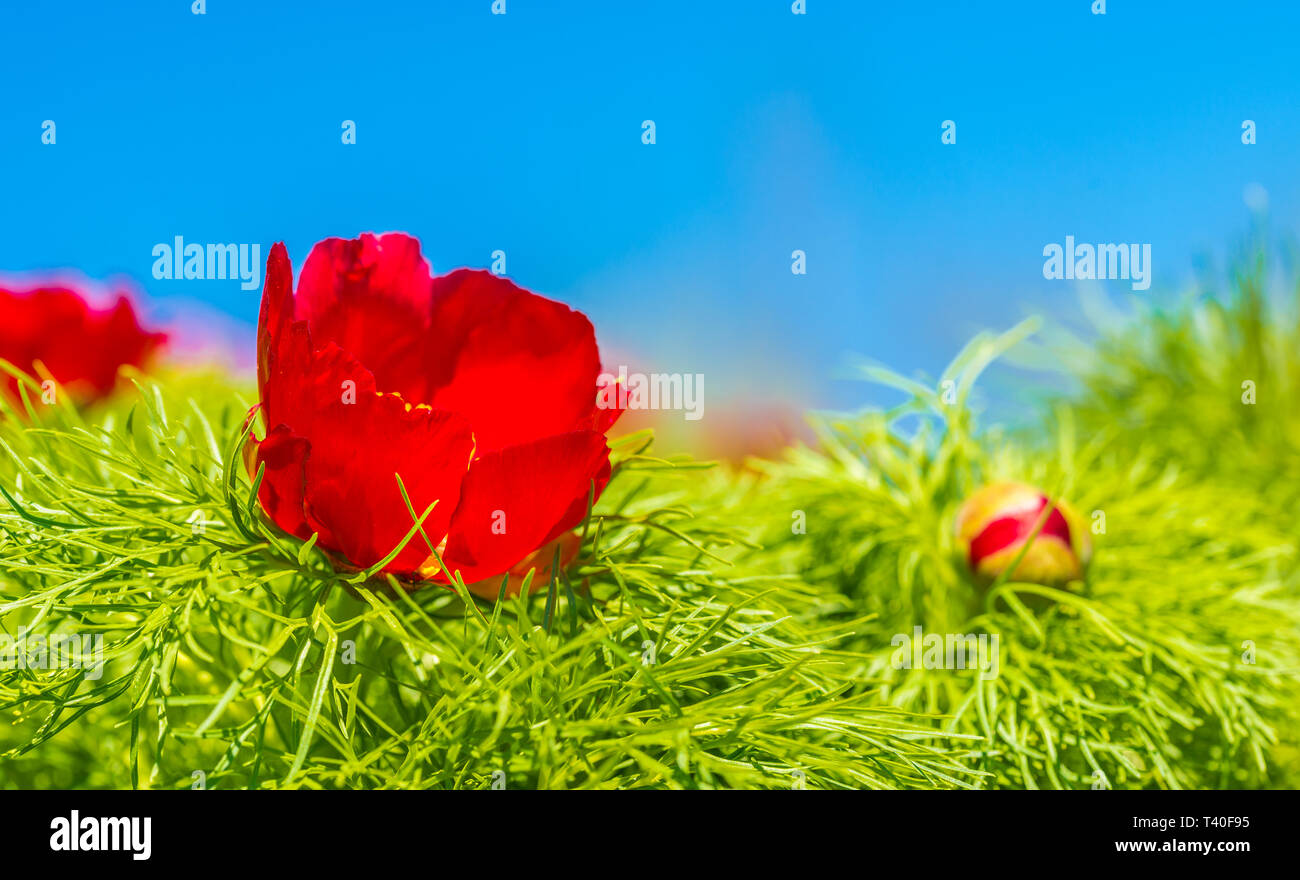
{"x":480,"y":395}
{"x":81,"y":347}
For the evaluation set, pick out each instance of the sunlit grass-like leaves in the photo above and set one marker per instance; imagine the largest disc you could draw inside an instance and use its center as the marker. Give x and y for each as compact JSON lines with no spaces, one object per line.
{"x":721,"y":628}
{"x":237,"y":657}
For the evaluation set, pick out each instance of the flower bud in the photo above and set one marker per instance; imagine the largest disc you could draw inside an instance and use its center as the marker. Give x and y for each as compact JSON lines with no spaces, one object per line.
{"x":995,"y":522}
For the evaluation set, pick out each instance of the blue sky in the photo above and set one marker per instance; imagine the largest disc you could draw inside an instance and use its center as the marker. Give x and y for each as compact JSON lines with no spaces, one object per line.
{"x":774,"y":132}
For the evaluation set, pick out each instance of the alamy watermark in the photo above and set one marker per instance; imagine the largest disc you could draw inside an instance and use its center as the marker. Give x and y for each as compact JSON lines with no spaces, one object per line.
{"x":922,"y":650}
{"x":1127,"y":262}
{"x":53,"y":651}
{"x":213,"y":262}
{"x":77,"y":833}
{"x":668,"y":391}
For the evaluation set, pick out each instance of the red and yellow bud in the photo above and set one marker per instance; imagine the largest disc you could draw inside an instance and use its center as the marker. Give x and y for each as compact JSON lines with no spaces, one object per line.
{"x":994,"y":523}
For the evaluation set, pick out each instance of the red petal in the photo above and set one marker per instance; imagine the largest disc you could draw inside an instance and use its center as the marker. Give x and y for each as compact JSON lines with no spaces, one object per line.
{"x":283,"y":481}
{"x":1007,"y":530}
{"x":352,"y":491}
{"x":355,"y":441}
{"x":609,"y":406}
{"x":370,"y":295}
{"x":518,"y":498}
{"x":303,"y":387}
{"x":81,"y":347}
{"x":275,"y":317}
{"x":519,"y":366}
{"x":300,"y":388}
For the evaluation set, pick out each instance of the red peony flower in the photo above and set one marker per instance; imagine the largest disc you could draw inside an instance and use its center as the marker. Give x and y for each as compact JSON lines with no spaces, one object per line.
{"x":81,"y":347}
{"x":480,"y":395}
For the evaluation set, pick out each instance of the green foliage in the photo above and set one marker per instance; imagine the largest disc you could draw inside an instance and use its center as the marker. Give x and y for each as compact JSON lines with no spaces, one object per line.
{"x":237,"y":653}
{"x":1209,"y":386}
{"x":703,"y":638}
{"x":1176,"y":663}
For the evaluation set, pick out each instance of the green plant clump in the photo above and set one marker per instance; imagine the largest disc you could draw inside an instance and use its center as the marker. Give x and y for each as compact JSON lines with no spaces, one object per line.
{"x":721,"y":628}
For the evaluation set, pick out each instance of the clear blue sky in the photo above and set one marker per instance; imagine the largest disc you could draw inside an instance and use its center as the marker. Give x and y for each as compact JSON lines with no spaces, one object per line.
{"x":774,"y":132}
